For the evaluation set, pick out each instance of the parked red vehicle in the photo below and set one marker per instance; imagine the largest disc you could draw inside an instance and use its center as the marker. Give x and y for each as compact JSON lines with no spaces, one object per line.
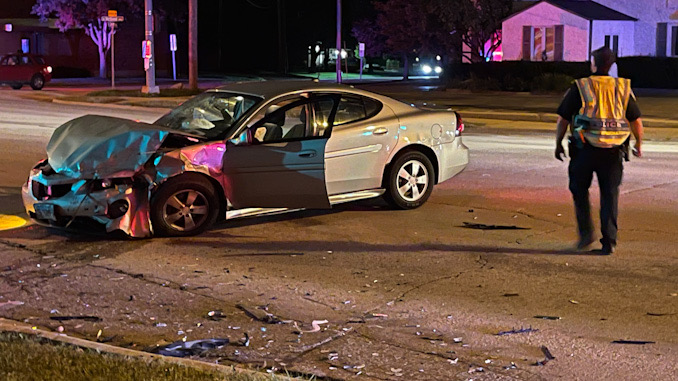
{"x":18,"y":69}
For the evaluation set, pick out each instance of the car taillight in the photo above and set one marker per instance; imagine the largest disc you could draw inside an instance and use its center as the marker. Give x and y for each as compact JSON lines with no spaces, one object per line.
{"x":460,"y":124}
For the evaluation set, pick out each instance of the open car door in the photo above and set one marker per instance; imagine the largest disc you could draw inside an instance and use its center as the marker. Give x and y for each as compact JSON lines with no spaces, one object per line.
{"x":279,"y":161}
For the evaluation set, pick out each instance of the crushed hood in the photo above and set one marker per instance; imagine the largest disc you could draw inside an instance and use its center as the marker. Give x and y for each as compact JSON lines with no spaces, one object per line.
{"x":95,"y":146}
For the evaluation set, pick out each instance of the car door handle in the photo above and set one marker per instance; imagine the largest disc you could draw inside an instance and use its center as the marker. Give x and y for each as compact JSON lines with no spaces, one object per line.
{"x":380,"y":131}
{"x":309,"y":153}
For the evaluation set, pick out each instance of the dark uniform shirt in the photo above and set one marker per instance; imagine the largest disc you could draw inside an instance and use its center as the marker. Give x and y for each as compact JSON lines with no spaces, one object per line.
{"x":571,"y":104}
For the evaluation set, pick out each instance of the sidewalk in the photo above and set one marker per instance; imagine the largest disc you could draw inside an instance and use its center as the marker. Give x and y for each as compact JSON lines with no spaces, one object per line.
{"x":659,"y":107}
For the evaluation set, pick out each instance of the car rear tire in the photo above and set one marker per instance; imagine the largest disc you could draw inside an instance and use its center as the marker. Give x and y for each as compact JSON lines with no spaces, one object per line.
{"x":410,"y":180}
{"x":183,"y":206}
{"x":37,"y":82}
{"x":17,"y":86}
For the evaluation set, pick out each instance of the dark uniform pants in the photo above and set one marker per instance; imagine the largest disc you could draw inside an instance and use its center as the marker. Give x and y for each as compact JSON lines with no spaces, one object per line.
{"x":607,"y":164}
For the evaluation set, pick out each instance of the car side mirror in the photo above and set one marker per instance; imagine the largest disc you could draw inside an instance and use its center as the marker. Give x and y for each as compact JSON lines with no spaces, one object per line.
{"x":243,"y":139}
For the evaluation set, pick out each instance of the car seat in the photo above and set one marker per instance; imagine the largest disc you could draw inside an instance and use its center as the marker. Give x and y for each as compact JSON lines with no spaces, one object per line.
{"x":298,"y":130}
{"x":273,"y":125}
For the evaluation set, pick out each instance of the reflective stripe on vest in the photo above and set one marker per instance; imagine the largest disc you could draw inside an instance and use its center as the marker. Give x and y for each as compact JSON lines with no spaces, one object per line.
{"x":604,"y":100}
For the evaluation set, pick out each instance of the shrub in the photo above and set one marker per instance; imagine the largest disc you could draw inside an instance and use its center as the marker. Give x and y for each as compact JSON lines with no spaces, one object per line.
{"x":552,"y":82}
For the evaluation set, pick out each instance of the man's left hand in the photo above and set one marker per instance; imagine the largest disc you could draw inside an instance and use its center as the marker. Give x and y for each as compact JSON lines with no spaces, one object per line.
{"x":560,"y":151}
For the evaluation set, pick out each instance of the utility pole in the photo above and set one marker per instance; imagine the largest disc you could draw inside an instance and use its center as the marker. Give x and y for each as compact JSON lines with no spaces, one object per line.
{"x":282,"y":38}
{"x":151,"y":87}
{"x":193,"y":44}
{"x":338,"y":60}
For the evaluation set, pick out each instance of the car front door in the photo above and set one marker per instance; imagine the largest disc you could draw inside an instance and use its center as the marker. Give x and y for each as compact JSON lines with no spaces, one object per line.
{"x":279,"y":161}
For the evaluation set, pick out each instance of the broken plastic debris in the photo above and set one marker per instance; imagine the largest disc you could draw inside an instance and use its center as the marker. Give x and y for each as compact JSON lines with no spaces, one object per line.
{"x":546,"y":317}
{"x":476,"y":369}
{"x":573,"y":301}
{"x":259,"y":314}
{"x":11,"y":303}
{"x":458,"y":339}
{"x":510,"y":294}
{"x":189,"y":348}
{"x":548,"y":357}
{"x":316,"y":325}
{"x":660,"y":314}
{"x":85,"y":318}
{"x":453,"y":362}
{"x":215,"y":315}
{"x":160,"y":324}
{"x":514,"y":331}
{"x":511,"y":366}
{"x":636,"y":342}
{"x":470,"y":225}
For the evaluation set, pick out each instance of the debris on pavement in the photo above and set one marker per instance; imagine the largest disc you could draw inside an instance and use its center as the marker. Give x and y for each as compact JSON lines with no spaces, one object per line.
{"x":316,"y":325}
{"x":157,"y":324}
{"x":660,"y":314}
{"x":635,"y":342}
{"x":216,"y":315}
{"x":511,"y":366}
{"x":189,"y":348}
{"x":11,"y":303}
{"x":546,"y":317}
{"x":547,"y":357}
{"x":573,"y":301}
{"x":93,"y":319}
{"x":514,"y":331}
{"x":470,"y":225}
{"x":510,"y":294}
{"x":260,"y":315}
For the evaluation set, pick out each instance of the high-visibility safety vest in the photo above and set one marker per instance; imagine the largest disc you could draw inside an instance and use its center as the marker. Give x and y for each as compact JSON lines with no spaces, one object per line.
{"x":602,"y":118}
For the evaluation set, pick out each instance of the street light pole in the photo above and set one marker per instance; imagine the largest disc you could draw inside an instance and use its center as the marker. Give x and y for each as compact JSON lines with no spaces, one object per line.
{"x":193,"y":44}
{"x":151,"y":87}
{"x":338,"y":60}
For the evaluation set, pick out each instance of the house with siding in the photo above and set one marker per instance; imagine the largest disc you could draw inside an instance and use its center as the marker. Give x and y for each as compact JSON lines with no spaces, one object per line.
{"x":568,"y":30}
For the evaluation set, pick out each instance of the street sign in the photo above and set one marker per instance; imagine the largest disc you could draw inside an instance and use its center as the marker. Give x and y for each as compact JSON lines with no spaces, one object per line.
{"x":112,"y":19}
{"x":112,"y":13}
{"x":361,"y":49}
{"x":146,"y":49}
{"x":173,"y":42}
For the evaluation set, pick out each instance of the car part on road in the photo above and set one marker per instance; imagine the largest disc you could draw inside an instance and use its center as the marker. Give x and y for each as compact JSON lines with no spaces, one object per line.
{"x":260,"y":315}
{"x":470,"y":225}
{"x":189,"y":348}
{"x":514,"y":331}
{"x":546,"y":317}
{"x":185,"y":205}
{"x":85,"y":318}
{"x":633,"y":342}
{"x":410,"y":180}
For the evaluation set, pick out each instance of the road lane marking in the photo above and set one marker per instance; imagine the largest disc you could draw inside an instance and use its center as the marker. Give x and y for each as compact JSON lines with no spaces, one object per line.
{"x":8,"y":222}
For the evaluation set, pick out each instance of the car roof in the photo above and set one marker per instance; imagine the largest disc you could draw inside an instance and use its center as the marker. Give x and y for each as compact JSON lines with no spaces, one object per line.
{"x":271,"y":89}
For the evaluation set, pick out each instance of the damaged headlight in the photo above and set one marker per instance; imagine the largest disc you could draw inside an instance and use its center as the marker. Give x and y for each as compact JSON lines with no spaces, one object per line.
{"x":99,"y":185}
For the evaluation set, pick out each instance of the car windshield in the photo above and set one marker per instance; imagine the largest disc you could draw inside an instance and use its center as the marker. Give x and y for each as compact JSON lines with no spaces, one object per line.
{"x":39,"y":60}
{"x":210,"y":114}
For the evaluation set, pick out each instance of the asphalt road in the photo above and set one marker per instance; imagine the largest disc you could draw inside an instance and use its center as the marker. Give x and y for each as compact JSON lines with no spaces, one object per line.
{"x":407,"y":294}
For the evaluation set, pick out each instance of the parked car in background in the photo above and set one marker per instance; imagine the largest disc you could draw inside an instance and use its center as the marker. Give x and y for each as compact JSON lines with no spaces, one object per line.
{"x":18,"y":69}
{"x":234,"y":151}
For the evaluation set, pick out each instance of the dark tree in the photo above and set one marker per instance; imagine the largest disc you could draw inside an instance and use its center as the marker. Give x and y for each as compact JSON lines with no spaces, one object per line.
{"x":475,"y":21}
{"x":85,"y":14}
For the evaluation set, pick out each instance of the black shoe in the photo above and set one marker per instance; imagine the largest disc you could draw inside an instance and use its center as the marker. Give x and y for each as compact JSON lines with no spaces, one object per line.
{"x":607,"y":249}
{"x":583,"y":243}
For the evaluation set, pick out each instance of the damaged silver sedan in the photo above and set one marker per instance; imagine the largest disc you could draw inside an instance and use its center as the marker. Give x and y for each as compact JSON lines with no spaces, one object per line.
{"x":240,"y":150}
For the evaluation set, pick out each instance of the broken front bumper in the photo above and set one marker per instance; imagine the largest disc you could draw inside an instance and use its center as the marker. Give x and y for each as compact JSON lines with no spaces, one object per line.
{"x":117,"y":204}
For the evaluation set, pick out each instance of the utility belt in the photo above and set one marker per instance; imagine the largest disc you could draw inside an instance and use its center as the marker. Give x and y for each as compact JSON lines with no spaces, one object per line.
{"x":600,"y":133}
{"x":575,"y":145}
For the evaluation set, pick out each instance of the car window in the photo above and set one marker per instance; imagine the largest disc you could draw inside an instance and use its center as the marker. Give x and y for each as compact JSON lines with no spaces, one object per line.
{"x":355,"y":108}
{"x":25,"y":60}
{"x":39,"y":60}
{"x":293,"y":118}
{"x":10,"y":61}
{"x":209,"y":114}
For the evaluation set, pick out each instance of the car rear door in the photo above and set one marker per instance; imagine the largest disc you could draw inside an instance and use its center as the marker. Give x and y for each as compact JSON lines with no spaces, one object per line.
{"x":364,"y":134}
{"x":8,"y":69}
{"x":282,"y":170}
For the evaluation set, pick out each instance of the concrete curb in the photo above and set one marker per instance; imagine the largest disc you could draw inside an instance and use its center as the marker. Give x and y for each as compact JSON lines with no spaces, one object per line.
{"x":549,"y":118}
{"x":108,"y":105}
{"x":14,"y":326}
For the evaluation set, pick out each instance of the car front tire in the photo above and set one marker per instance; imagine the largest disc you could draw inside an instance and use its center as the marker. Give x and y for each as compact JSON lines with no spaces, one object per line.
{"x":37,"y":82}
{"x":409,"y":181}
{"x":183,"y":206}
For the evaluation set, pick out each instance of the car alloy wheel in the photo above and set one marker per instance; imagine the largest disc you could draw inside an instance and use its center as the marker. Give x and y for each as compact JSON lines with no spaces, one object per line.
{"x":37,"y":82}
{"x":184,"y":205}
{"x":412,"y":181}
{"x":185,"y":210}
{"x":409,"y":180}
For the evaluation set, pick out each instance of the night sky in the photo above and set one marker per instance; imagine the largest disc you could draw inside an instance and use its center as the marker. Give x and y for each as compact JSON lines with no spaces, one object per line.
{"x":247,"y":30}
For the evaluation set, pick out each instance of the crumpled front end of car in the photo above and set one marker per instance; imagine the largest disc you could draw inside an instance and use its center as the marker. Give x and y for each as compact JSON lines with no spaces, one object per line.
{"x":102,"y":171}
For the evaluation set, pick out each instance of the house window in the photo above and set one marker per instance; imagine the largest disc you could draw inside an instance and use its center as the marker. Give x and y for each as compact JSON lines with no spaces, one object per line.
{"x":674,"y":41}
{"x":543,"y":43}
{"x":612,"y":42}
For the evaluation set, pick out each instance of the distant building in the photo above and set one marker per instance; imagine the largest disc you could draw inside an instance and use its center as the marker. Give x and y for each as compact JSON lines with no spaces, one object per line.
{"x":568,"y":30}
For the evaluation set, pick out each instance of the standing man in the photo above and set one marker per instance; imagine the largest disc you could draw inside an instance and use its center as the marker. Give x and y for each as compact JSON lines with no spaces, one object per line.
{"x":602,"y":113}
